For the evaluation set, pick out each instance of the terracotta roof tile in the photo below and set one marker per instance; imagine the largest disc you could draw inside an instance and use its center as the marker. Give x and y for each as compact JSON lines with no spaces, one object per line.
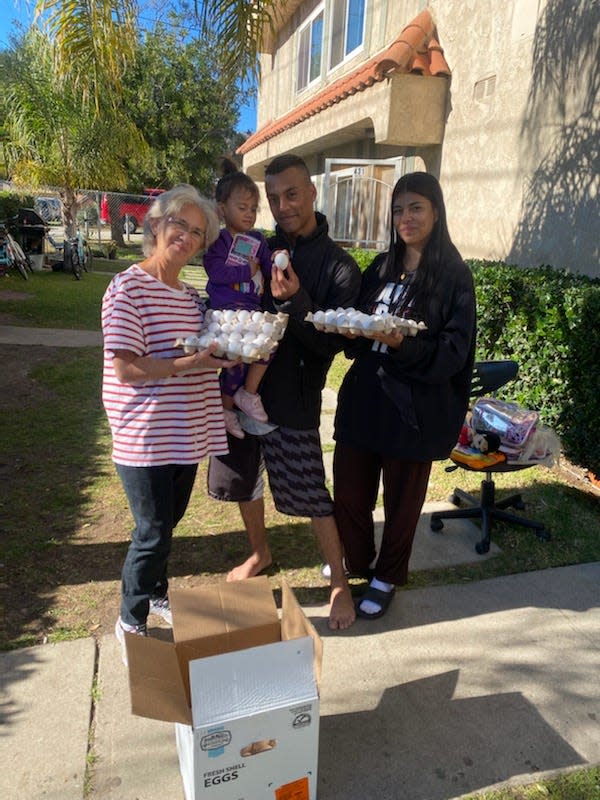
{"x":415,"y":50}
{"x":437,"y":62}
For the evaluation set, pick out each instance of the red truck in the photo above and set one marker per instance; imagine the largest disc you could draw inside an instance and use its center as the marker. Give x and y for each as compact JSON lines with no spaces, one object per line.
{"x":130,"y":208}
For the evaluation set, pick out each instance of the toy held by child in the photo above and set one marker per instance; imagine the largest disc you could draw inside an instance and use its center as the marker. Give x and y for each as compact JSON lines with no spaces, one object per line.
{"x":237,"y":265}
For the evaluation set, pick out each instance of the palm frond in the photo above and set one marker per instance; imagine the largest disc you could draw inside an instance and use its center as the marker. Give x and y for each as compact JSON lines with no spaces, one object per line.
{"x":94,"y":42}
{"x":240,"y":27}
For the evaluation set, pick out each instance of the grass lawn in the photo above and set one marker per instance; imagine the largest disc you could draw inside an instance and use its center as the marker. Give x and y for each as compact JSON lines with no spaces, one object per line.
{"x":66,"y":519}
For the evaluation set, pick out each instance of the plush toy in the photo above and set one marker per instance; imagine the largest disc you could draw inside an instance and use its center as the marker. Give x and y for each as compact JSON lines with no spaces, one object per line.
{"x":485,"y":442}
{"x":481,"y":440}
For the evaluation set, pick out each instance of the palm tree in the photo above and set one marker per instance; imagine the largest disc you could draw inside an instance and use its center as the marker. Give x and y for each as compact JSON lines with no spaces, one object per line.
{"x":54,"y":139}
{"x":95,"y":41}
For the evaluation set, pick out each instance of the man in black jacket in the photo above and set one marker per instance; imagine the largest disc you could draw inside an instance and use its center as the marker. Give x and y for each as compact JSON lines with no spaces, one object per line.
{"x":320,"y":275}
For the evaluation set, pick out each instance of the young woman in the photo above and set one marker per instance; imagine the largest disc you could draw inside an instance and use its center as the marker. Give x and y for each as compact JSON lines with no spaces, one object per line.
{"x":403,"y":401}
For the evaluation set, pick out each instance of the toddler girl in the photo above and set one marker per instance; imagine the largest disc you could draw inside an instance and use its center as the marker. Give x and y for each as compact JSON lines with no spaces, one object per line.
{"x":237,"y":265}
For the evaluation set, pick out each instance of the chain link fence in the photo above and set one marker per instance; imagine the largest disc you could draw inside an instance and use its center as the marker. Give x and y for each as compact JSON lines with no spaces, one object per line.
{"x":99,"y":214}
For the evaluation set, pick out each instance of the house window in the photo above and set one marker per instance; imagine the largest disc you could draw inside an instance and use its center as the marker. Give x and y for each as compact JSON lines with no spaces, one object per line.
{"x":310,"y":51}
{"x":347,"y":29}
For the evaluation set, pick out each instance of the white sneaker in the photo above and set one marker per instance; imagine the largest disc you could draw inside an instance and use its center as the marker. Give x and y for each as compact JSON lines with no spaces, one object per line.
{"x":326,"y":570}
{"x":121,"y":628}
{"x":232,"y":424}
{"x":161,"y":608}
{"x":250,"y":404}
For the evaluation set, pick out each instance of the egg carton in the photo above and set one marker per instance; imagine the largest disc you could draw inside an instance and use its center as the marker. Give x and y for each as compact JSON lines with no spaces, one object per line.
{"x":239,"y":334}
{"x":350,"y":320}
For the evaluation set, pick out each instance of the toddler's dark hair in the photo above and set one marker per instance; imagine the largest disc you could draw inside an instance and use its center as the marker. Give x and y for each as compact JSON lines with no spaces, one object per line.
{"x":233,"y":179}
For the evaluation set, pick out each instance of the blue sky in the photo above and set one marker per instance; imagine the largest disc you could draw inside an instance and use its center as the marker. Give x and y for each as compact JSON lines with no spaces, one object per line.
{"x":22,"y":11}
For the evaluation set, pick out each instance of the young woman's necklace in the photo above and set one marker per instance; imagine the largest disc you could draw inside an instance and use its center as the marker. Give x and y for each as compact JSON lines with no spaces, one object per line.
{"x":407,"y":270}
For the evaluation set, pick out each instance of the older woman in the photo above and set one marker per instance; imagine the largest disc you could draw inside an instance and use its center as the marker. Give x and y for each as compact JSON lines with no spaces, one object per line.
{"x":164,"y":407}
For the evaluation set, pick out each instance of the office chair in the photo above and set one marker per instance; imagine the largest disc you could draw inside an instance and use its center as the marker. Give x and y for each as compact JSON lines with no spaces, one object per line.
{"x":488,"y":377}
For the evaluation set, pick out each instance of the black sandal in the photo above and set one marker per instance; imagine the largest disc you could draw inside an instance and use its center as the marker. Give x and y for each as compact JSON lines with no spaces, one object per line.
{"x":382,"y":599}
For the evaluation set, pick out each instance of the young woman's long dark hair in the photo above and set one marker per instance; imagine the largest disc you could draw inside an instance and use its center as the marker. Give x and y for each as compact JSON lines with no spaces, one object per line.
{"x":438,"y":251}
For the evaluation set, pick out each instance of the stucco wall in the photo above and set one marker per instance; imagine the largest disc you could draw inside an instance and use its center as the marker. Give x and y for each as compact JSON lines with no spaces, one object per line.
{"x":519,"y":163}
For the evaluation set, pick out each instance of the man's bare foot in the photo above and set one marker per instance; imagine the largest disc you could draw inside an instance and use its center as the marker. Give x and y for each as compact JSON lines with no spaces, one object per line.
{"x":342,"y":612}
{"x":251,"y":567}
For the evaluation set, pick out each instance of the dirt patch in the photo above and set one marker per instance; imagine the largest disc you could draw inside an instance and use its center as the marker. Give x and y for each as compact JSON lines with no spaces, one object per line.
{"x":10,"y":295}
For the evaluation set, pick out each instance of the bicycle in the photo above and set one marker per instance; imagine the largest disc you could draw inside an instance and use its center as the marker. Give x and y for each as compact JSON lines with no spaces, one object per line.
{"x":76,"y":253}
{"x":85,"y":252}
{"x":80,"y":255}
{"x":12,"y":255}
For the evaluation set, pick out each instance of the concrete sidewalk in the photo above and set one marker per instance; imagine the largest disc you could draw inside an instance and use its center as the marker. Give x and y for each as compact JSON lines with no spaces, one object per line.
{"x":457,"y":689}
{"x":49,"y":337}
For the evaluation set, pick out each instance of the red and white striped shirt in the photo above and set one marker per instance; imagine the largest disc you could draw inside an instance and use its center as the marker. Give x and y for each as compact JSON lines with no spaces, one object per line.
{"x":175,"y":420}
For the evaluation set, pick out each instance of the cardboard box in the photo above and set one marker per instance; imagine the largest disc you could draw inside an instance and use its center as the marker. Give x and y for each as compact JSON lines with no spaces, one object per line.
{"x":241,"y":684}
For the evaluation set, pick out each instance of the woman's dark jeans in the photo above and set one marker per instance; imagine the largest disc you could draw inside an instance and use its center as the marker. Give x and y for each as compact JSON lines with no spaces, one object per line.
{"x":158,"y":498}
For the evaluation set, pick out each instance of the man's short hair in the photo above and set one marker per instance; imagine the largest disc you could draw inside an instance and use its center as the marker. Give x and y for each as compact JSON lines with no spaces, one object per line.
{"x":281,"y":163}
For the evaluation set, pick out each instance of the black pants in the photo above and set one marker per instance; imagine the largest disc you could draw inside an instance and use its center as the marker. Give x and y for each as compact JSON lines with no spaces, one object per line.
{"x":158,"y":498}
{"x":356,"y":474}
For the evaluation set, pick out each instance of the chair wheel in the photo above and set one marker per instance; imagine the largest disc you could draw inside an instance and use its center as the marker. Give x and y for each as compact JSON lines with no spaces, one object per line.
{"x":436,"y":524}
{"x":519,"y":505}
{"x":544,"y":535}
{"x":482,"y":547}
{"x":454,"y":499}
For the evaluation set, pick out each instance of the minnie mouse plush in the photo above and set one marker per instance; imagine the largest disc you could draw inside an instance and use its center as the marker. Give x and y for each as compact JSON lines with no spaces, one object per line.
{"x":485,"y":442}
{"x":481,"y":440}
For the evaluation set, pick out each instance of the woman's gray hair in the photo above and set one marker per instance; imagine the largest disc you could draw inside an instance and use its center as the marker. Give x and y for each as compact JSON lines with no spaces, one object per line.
{"x":169,"y":204}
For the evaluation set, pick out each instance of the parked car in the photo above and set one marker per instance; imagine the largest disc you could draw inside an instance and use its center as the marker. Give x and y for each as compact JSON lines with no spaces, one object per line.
{"x":130,"y":208}
{"x":48,"y":208}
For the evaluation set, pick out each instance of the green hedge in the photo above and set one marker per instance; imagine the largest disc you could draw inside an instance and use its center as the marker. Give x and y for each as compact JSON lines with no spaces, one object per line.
{"x":549,"y":321}
{"x":11,"y":202}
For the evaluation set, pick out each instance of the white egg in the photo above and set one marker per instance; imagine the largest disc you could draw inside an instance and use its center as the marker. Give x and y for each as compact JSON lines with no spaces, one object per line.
{"x":228,"y":314}
{"x":330,"y":317}
{"x":257,"y":316}
{"x":214,"y":327}
{"x":267,"y":328}
{"x":374,"y":324}
{"x":281,"y":260}
{"x":243,"y":315}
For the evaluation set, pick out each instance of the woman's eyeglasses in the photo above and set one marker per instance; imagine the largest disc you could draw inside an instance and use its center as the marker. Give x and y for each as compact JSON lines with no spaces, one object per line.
{"x":182,"y":226}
